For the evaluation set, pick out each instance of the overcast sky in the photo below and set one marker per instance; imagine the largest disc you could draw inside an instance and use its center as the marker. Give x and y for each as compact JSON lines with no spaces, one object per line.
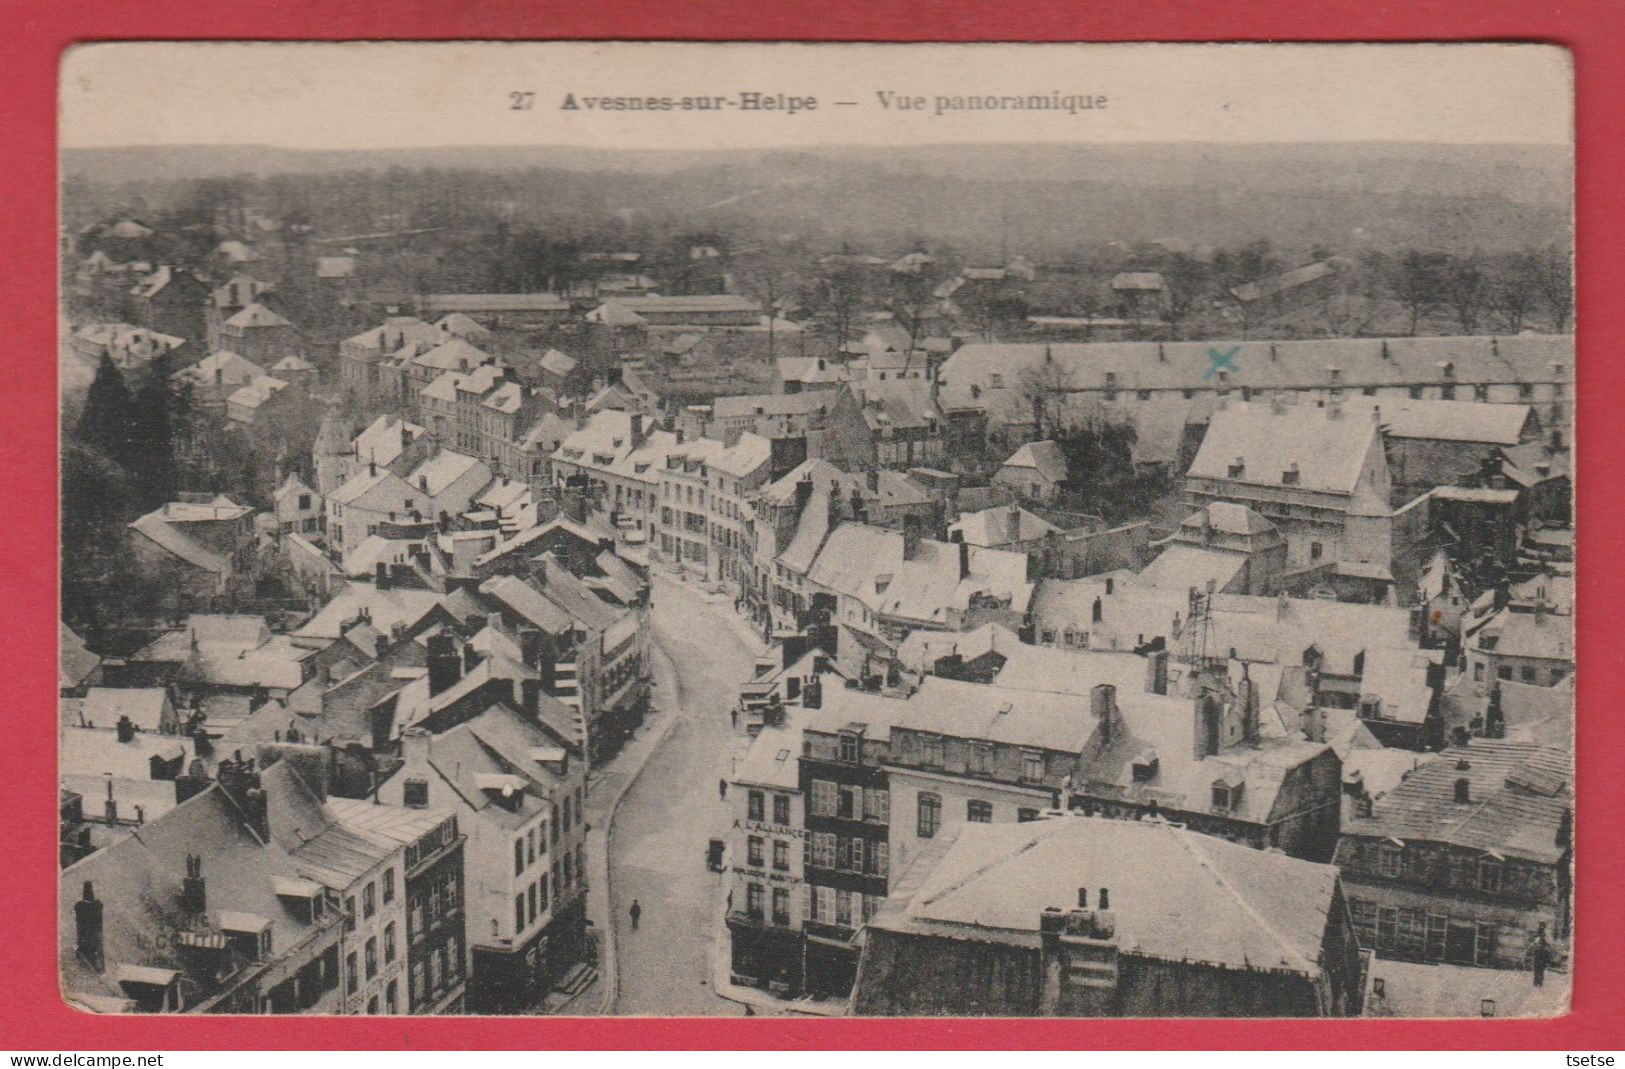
{"x":361,"y":96}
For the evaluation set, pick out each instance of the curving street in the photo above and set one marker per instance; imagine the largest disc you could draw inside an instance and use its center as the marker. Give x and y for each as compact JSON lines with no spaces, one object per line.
{"x":657,"y":847}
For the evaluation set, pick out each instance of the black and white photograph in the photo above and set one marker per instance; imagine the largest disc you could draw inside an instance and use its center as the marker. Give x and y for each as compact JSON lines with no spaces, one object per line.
{"x":816,"y":530}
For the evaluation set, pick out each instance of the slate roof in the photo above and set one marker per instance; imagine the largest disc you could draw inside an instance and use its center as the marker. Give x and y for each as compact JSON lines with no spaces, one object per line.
{"x":1176,"y":895}
{"x":1329,"y":451}
{"x":557,"y":363}
{"x":1518,"y":794}
{"x":257,"y":315}
{"x":1526,"y":634}
{"x":1454,"y":421}
{"x":75,"y":662}
{"x":398,"y":331}
{"x":1001,"y":525}
{"x":1258,"y":363}
{"x":1043,"y":457}
{"x":1180,"y":567}
{"x":143,"y":705}
{"x":397,"y":605}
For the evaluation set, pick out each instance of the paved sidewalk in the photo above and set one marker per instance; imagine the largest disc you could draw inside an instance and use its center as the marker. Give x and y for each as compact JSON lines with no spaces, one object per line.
{"x":604,"y":796}
{"x":722,"y":978}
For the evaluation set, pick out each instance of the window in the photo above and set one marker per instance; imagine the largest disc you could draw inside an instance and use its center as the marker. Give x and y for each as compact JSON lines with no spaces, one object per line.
{"x":877,"y":804}
{"x":1032,"y":766}
{"x":1437,"y":925}
{"x":1024,"y":815}
{"x":932,"y":746}
{"x":567,"y":821}
{"x":981,"y":758}
{"x":372,"y":1006}
{"x":855,"y":855}
{"x":392,"y":998}
{"x":753,"y":899}
{"x":1489,"y":876}
{"x":541,"y":893}
{"x":531,"y":894}
{"x":979,"y":812}
{"x":569,"y":871}
{"x":369,"y":900}
{"x":352,"y":973}
{"x":416,"y":791}
{"x":349,"y":914}
{"x":1527,"y":674}
{"x":1478,"y":672}
{"x":541,"y":839}
{"x":1316,"y":550}
{"x":781,"y":905}
{"x":1484,"y":945}
{"x":372,"y":957}
{"x":519,"y":855}
{"x":823,"y":849}
{"x":781,"y":855}
{"x":553,"y":828}
{"x":754,"y":805}
{"x":843,"y":908}
{"x":849,"y":747}
{"x":823,"y":798}
{"x":530,"y":845}
{"x":1504,"y":672}
{"x":519,"y":912}
{"x":930,"y":815}
{"x":880,"y":858}
{"x":754,"y":850}
{"x":389,"y":942}
{"x":823,"y":904}
{"x":389,"y":885}
{"x":847,"y":801}
{"x":1390,"y":861}
{"x":781,"y":809}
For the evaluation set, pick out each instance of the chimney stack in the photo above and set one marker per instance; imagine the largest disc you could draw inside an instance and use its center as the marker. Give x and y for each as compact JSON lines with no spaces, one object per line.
{"x":964,"y":560}
{"x":87,"y":922}
{"x":445,"y":666}
{"x":380,"y":576}
{"x":380,"y":647}
{"x":126,"y":729}
{"x":1464,"y":791}
{"x":415,"y":746}
{"x":471,"y":657}
{"x":1156,"y":672}
{"x":194,"y":893}
{"x":1103,"y":703}
{"x":530,"y":691}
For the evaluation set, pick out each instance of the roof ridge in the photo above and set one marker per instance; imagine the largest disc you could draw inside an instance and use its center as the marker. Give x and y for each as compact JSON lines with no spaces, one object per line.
{"x":1188,"y":842}
{"x":999,"y":859}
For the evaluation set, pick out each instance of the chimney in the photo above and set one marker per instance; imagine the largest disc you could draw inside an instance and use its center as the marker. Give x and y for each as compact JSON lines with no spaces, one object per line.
{"x":423,"y":483}
{"x":1247,"y":695}
{"x":445,"y":667}
{"x":380,"y":647}
{"x":1105,"y":898}
{"x":1110,"y":584}
{"x":1103,"y":704}
{"x":372,"y":466}
{"x":415,"y":746}
{"x":1156,"y":672}
{"x":194,"y":892}
{"x":1096,"y":611}
{"x":126,"y":729}
{"x":87,"y":922}
{"x":1464,"y":791}
{"x":1386,"y":355}
{"x":637,"y":429}
{"x":1083,"y":898}
{"x":380,"y":576}
{"x":531,"y":697}
{"x":471,"y":657}
{"x":964,"y":560}
{"x":872,"y":477}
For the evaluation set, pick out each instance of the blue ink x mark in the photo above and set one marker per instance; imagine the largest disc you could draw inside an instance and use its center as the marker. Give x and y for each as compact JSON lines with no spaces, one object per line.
{"x":1221,"y":361}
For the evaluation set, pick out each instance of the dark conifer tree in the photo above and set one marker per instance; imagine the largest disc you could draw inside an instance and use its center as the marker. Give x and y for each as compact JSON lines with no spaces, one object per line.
{"x":105,"y":421}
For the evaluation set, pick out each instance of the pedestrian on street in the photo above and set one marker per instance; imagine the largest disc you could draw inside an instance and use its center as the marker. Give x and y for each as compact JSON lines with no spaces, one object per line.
{"x":1542,"y":955}
{"x":733,"y":714}
{"x":636,"y":911}
{"x":722,"y":788}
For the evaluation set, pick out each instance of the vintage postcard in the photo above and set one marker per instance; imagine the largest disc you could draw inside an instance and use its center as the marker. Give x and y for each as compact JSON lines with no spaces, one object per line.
{"x":837,"y":530}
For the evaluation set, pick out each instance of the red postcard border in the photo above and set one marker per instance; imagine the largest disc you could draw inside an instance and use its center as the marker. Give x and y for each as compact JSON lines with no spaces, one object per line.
{"x":33,"y":33}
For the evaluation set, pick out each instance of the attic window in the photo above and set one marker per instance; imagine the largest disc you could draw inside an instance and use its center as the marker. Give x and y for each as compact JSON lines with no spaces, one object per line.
{"x":1289,"y":477}
{"x":416,"y":793}
{"x":1145,"y":768}
{"x":1227,"y":794}
{"x":1238,"y":467}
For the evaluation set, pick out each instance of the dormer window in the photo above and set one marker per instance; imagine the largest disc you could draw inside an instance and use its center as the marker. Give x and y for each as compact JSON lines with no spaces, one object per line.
{"x":1238,"y":468}
{"x":1289,"y":477}
{"x":849,"y":746}
{"x":1227,"y":791}
{"x":1145,"y":767}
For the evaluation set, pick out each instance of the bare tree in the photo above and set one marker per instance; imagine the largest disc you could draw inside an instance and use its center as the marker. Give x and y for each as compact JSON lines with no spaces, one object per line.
{"x":1512,"y":291}
{"x":1418,"y":283}
{"x":1465,"y":289}
{"x":1046,"y":387}
{"x":1554,"y":276}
